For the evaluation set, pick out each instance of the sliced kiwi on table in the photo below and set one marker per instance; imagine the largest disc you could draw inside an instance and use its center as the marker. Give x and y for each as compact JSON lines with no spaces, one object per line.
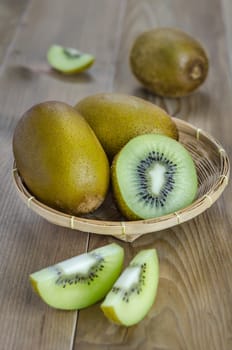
{"x":133,"y":294}
{"x":80,"y":281}
{"x":69,"y":60}
{"x":153,"y":175}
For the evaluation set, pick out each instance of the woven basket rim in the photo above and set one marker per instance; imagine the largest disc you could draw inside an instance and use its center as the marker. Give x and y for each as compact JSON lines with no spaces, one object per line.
{"x":124,"y":229}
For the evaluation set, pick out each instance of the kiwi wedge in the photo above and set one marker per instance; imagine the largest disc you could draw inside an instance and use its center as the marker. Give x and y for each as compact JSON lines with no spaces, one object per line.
{"x":80,"y":281}
{"x":133,"y":294}
{"x":68,"y":60}
{"x":153,"y":175}
{"x":169,"y":62}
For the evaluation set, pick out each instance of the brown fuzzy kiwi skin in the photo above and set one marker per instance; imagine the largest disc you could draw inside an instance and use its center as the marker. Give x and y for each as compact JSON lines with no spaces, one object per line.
{"x":120,"y":203}
{"x":169,"y":62}
{"x":116,"y":118}
{"x":60,"y":159}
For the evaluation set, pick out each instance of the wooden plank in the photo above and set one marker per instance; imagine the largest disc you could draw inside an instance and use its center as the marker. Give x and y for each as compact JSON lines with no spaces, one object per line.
{"x":11,"y":13}
{"x":193,"y":305}
{"x":227,"y":13}
{"x":29,"y":243}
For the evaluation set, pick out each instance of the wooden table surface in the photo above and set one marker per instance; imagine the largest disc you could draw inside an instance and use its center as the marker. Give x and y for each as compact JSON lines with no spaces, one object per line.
{"x":193,"y":309}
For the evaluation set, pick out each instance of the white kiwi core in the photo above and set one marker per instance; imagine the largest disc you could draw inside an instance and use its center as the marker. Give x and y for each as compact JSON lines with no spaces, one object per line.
{"x":134,"y":293}
{"x":80,"y":281}
{"x":78,"y":264}
{"x":157,"y":178}
{"x":129,"y":278}
{"x":153,"y":176}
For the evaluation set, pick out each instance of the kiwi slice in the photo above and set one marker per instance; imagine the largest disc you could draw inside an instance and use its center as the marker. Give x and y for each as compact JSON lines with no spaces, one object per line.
{"x":68,"y":60}
{"x":80,"y":281}
{"x":153,"y":175}
{"x":133,"y":294}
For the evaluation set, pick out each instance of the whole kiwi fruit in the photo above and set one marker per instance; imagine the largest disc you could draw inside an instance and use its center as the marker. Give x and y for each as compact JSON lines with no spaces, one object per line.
{"x":117,"y":118}
{"x":60,"y":159}
{"x":169,"y":62}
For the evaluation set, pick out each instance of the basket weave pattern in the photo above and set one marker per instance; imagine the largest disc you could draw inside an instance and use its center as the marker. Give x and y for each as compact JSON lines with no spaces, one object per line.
{"x":213,"y":170}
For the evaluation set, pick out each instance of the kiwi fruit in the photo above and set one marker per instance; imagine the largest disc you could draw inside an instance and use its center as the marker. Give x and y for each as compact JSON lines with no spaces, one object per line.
{"x":169,"y":62}
{"x":81,"y":281}
{"x":134,"y":292}
{"x":116,"y":118}
{"x":60,"y":159}
{"x":68,"y":60}
{"x":153,"y":175}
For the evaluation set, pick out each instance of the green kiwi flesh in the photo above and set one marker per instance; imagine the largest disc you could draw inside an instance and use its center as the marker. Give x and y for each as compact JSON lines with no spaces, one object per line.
{"x":133,"y":294}
{"x":153,"y":175}
{"x":68,"y":60}
{"x":80,"y":281}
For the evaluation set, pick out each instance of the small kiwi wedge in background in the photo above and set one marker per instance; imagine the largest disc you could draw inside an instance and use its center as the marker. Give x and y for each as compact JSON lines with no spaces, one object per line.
{"x":81,"y":281}
{"x":153,"y":175}
{"x":134,"y":292}
{"x":60,"y":159}
{"x":169,"y":62}
{"x":117,"y":118}
{"x":69,"y":60}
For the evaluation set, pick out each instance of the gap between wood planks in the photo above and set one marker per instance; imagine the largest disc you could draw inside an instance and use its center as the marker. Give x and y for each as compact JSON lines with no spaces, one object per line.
{"x":75,"y":323}
{"x":14,"y":37}
{"x":119,"y":32}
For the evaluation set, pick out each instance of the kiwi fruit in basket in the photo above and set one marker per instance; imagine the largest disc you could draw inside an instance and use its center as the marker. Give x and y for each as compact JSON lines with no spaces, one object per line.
{"x":153,"y":175}
{"x":134,"y":292}
{"x":80,"y":281}
{"x":169,"y":62}
{"x":59,"y":158}
{"x":116,"y":118}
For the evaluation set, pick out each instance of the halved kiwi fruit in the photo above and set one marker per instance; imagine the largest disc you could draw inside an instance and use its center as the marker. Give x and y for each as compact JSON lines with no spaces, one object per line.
{"x":133,"y":294}
{"x":80,"y":281}
{"x":153,"y":175}
{"x":68,"y":60}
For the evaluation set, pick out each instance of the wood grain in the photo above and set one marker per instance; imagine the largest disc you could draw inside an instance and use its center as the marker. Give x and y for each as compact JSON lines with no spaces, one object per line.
{"x":227,"y":13}
{"x":29,"y":243}
{"x":194,"y":305}
{"x":11,"y":14}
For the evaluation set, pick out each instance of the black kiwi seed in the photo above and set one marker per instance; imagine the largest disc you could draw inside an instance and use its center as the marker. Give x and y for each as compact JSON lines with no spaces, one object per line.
{"x":144,"y":194}
{"x":136,"y":288}
{"x":153,"y":175}
{"x":88,"y":278}
{"x":72,"y":53}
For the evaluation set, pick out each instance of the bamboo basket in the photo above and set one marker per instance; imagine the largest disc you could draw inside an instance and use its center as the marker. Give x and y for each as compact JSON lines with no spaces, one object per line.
{"x":213,"y":170}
